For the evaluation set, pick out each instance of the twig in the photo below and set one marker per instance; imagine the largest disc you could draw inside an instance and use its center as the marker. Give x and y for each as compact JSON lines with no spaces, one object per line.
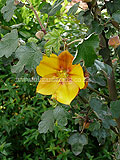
{"x":35,"y":12}
{"x":84,"y":100}
{"x":5,"y":27}
{"x":94,"y":90}
{"x":115,"y":131}
{"x":47,"y":23}
{"x":77,"y":40}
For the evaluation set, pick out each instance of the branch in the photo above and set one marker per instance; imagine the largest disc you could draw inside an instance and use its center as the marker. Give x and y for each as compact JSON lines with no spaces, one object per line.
{"x":35,"y":12}
{"x":77,"y":40}
{"x":100,"y":94}
{"x":111,"y":80}
{"x":6,"y":27}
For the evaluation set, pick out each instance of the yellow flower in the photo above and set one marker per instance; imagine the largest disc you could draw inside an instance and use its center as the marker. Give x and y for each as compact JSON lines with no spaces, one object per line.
{"x":60,"y":78}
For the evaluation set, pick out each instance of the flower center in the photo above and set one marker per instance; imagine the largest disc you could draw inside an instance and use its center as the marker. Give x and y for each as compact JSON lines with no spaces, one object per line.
{"x":62,"y":74}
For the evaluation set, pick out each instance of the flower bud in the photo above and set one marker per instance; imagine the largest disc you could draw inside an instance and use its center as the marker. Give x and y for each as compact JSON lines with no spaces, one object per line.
{"x":39,"y":34}
{"x":16,"y":2}
{"x":114,"y":42}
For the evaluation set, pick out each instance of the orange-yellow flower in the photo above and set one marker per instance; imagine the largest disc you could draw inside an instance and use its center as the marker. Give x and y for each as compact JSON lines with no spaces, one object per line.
{"x":60,"y":78}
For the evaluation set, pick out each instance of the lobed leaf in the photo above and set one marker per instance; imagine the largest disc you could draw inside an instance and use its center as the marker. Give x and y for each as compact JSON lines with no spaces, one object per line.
{"x":77,"y":142}
{"x":86,"y":50}
{"x":9,"y":43}
{"x":47,"y":122}
{"x":8,"y":10}
{"x":48,"y":118}
{"x":29,"y":56}
{"x":54,"y":40}
{"x":60,"y":115}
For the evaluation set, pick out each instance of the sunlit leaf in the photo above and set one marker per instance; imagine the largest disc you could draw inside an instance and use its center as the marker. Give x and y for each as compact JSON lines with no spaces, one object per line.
{"x":54,"y":40}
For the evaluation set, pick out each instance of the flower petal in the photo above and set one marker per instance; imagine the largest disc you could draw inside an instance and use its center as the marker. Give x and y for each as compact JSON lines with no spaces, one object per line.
{"x":77,"y":75}
{"x":65,"y":60}
{"x":48,"y":65}
{"x":47,"y":85}
{"x":66,"y":92}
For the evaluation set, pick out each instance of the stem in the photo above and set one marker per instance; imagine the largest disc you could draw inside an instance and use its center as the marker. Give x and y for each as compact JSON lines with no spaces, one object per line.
{"x":100,"y":94}
{"x":109,"y":20}
{"x":6,"y":27}
{"x":111,"y":80}
{"x":35,"y":12}
{"x":84,"y":100}
{"x":47,"y":23}
{"x":77,"y":40}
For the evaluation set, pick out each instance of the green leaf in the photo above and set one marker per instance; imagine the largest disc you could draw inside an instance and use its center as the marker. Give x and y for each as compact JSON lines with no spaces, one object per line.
{"x":77,"y":141}
{"x":101,"y":66}
{"x":112,"y":6}
{"x":47,"y":122}
{"x":9,"y":43}
{"x":102,"y":113}
{"x":95,"y":27}
{"x":96,"y":104}
{"x":54,"y":40}
{"x":115,"y":108}
{"x":85,"y":17}
{"x":56,"y":7}
{"x":80,"y":17}
{"x":83,"y":139}
{"x":118,"y":51}
{"x":8,"y":10}
{"x":46,"y":8}
{"x":86,"y":50}
{"x":29,"y":56}
{"x":94,"y":126}
{"x":16,"y":26}
{"x":73,"y":9}
{"x":60,"y":115}
{"x":100,"y":109}
{"x":99,"y":80}
{"x":105,"y":52}
{"x":116,"y":16}
{"x":88,"y":18}
{"x":100,"y":134}
{"x":77,"y":148}
{"x":25,"y":34}
{"x":108,"y":121}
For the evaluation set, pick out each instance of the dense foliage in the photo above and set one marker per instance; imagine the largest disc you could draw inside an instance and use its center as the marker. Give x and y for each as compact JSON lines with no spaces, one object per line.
{"x":34,"y":126}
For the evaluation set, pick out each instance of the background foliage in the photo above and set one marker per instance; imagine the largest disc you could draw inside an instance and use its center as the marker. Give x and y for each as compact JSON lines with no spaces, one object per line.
{"x":32,"y":125}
